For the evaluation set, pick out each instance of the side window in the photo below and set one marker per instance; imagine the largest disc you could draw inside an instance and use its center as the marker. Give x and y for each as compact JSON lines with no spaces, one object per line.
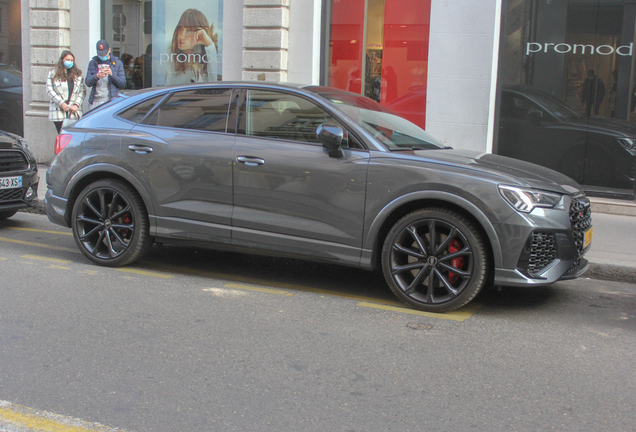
{"x":271,"y":114}
{"x":203,"y":109}
{"x":139,"y":111}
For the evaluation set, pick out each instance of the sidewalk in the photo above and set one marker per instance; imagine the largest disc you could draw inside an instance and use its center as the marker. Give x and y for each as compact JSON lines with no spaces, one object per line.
{"x":613,"y":253}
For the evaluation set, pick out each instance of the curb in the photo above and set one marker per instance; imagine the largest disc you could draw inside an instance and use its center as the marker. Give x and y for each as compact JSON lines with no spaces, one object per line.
{"x":611,"y":272}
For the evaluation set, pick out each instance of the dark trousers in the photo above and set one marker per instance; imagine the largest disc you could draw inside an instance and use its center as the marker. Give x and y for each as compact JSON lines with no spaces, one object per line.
{"x":58,"y":125}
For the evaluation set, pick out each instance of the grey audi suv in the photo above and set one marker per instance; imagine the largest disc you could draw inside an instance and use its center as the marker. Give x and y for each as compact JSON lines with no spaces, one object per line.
{"x":314,"y":173}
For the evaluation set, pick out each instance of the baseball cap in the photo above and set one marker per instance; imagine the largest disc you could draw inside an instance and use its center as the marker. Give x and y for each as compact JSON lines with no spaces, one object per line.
{"x":102,"y":47}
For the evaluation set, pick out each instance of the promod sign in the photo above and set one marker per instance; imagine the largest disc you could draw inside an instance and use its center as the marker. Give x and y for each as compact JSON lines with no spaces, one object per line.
{"x":564,"y":48}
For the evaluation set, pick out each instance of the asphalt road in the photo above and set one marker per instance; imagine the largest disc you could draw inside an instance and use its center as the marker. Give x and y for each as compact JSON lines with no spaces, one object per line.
{"x":195,"y":340}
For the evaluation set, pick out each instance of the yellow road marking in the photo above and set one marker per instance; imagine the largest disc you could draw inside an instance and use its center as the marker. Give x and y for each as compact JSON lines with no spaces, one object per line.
{"x":396,"y":306}
{"x":255,"y":281}
{"x":60,"y":248}
{"x":145,"y":273}
{"x":251,"y":288}
{"x":53,"y":266}
{"x":41,"y":258}
{"x":42,"y":231}
{"x":457,"y":315}
{"x":41,"y":421}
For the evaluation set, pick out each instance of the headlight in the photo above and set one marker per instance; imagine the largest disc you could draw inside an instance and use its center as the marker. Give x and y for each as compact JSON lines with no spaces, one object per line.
{"x":525,"y":200}
{"x":628,"y":144}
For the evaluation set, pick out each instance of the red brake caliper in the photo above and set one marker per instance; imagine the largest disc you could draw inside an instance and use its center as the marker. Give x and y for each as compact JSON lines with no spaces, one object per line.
{"x":127,"y":219}
{"x":458,"y":263}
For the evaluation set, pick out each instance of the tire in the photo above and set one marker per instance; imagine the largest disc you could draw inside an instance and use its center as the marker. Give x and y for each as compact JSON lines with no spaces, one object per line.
{"x":439,"y":275}
{"x":7,"y":214}
{"x":110,"y":223}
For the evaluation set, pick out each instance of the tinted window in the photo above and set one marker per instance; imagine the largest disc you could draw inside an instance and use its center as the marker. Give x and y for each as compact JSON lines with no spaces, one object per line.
{"x":278,"y":115}
{"x":204,"y":109}
{"x":138,"y":112}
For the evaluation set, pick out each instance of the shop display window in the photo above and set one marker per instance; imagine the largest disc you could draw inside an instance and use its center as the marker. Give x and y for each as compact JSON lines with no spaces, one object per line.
{"x":566,"y":90}
{"x":379,"y":49}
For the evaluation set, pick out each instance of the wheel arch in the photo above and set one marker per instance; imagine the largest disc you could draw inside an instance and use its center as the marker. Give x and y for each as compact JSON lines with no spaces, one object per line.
{"x":101,"y":171}
{"x":405,"y":204}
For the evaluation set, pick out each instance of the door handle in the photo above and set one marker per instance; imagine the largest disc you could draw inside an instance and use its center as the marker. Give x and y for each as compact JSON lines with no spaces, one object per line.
{"x":140,"y":149}
{"x":250,"y":160}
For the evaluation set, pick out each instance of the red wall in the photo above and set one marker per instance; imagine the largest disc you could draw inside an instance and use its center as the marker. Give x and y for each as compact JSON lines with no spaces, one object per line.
{"x":404,"y":54}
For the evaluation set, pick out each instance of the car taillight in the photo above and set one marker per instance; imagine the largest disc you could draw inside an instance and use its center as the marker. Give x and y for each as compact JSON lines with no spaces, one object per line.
{"x":62,"y":141}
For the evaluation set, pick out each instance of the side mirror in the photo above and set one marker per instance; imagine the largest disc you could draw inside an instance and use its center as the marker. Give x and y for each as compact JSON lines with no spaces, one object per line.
{"x":331,"y":137}
{"x":535,"y":117}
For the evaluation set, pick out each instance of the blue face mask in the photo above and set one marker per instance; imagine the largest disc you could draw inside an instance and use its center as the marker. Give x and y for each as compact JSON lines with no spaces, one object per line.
{"x":68,"y":64}
{"x":104,"y":58}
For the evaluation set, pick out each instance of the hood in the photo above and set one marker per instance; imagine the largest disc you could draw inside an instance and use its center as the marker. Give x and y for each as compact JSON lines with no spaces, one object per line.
{"x":511,"y":171}
{"x":9,"y":140}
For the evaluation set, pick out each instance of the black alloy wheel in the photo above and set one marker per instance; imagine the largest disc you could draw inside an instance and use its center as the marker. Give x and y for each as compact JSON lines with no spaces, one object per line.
{"x":435,"y":260}
{"x":110,"y":223}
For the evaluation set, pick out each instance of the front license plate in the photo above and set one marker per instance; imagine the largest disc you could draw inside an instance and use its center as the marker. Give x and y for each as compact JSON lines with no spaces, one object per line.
{"x":10,"y":182}
{"x":588,"y":237}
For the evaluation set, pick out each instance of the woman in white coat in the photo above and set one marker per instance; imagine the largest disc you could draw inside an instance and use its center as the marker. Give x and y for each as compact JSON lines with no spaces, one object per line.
{"x":65,"y":87}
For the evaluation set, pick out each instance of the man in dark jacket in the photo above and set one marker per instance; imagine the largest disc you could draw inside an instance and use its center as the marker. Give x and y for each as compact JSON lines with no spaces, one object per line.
{"x":105,"y":76}
{"x":593,"y":93}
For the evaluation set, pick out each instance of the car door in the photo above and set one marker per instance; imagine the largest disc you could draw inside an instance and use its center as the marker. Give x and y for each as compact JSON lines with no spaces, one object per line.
{"x":183,"y":155}
{"x":289,"y":195}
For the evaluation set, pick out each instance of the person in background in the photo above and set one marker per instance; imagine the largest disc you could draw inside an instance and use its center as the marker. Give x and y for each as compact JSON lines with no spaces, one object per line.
{"x":128,"y":62}
{"x":65,"y":87}
{"x":105,"y":76}
{"x":593,"y":93}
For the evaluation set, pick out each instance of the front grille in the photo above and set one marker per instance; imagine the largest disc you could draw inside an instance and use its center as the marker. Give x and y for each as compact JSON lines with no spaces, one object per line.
{"x":542,"y":252}
{"x":11,"y":194}
{"x":580,"y":221}
{"x":12,"y":160}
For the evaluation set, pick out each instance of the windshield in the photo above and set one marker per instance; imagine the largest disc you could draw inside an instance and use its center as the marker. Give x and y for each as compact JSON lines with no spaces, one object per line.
{"x":393,"y":131}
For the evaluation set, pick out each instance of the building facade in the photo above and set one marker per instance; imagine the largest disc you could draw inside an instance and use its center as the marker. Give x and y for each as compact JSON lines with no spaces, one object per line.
{"x":546,"y":81}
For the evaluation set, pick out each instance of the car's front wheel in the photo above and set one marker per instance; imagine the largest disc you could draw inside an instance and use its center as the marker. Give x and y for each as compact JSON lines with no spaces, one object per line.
{"x":110,"y":223}
{"x":435,"y":260}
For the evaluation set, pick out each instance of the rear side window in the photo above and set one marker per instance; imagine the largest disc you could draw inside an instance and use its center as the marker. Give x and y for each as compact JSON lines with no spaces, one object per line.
{"x":138,"y":112}
{"x":203,"y":109}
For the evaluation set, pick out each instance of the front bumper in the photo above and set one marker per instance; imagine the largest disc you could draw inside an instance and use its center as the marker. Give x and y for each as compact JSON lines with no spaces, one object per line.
{"x":24,"y":197}
{"x":546,"y":246}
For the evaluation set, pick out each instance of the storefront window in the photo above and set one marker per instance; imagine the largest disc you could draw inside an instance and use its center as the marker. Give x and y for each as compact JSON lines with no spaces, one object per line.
{"x":165,"y":42}
{"x":379,"y":49}
{"x":10,"y":67}
{"x":567,"y":90}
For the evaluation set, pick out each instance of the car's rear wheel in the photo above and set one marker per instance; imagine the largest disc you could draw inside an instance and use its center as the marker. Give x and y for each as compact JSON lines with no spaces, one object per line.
{"x":7,"y":214}
{"x":110,"y":223}
{"x":435,"y":260}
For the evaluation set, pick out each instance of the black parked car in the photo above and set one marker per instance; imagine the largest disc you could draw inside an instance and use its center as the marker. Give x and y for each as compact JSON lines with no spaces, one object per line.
{"x":599,"y":153}
{"x":18,"y":175}
{"x":11,"y":100}
{"x":314,"y":173}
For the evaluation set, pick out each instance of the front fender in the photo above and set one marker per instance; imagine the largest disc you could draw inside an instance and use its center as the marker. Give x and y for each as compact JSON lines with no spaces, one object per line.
{"x":374,"y":229}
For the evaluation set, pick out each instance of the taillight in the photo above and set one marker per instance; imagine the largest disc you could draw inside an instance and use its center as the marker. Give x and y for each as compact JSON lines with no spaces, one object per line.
{"x":62,"y":141}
